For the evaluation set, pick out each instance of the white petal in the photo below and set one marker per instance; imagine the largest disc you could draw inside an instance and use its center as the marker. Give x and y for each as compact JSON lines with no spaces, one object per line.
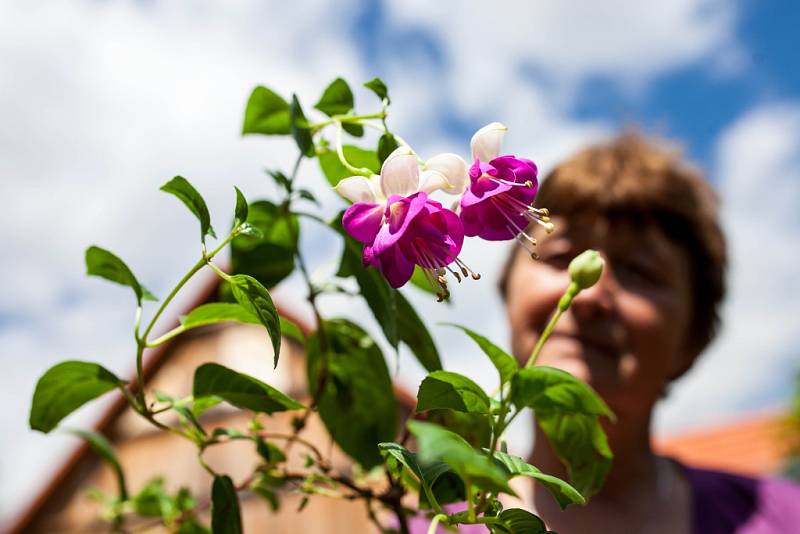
{"x":400,"y":173}
{"x":486,"y":142}
{"x":357,"y":189}
{"x":447,"y":172}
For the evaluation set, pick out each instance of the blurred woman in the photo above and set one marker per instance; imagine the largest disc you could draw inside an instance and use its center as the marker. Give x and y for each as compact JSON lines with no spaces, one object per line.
{"x":643,"y":325}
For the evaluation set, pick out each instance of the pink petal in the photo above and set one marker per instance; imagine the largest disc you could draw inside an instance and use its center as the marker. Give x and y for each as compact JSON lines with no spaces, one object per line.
{"x":362,"y":220}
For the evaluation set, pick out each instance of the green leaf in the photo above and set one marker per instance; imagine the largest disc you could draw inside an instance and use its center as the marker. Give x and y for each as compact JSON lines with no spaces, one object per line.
{"x":269,"y":258}
{"x":255,"y":298}
{"x":240,"y":213}
{"x":377,"y":86}
{"x":187,"y":417}
{"x":100,"y":262}
{"x":305,"y":194}
{"x":505,"y":364}
{"x":581,"y":445}
{"x":333,"y":169}
{"x":548,"y":388}
{"x":281,"y":179}
{"x":181,"y":188}
{"x":445,"y":389}
{"x":438,"y":444}
{"x":412,"y":331}
{"x":225,"y":515}
{"x":269,"y":452}
{"x":402,"y":455}
{"x":445,"y":484}
{"x":357,"y":404}
{"x":519,"y":521}
{"x":380,"y":296}
{"x":266,"y":113}
{"x":356,"y":130}
{"x":152,"y":500}
{"x":218,"y":312}
{"x":241,"y":390}
{"x":203,"y":404}
{"x":567,"y":410}
{"x":386,"y":145}
{"x":337,"y":99}
{"x":103,"y":448}
{"x":561,"y":490}
{"x":475,"y":428}
{"x":300,"y":129}
{"x":64,"y":388}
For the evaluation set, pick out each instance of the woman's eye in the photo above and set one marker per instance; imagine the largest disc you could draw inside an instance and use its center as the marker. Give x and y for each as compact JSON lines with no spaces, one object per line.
{"x":558,"y":260}
{"x":637,"y":273}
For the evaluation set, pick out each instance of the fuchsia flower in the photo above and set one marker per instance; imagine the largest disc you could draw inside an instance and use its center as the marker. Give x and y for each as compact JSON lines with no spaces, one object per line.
{"x":400,"y":225}
{"x":497,"y":204}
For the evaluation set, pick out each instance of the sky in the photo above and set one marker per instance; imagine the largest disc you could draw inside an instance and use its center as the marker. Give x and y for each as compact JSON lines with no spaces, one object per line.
{"x":104,"y":101}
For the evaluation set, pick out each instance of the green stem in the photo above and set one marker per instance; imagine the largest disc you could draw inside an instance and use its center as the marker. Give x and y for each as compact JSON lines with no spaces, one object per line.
{"x":435,"y":523}
{"x":340,"y":152}
{"x":431,"y":497}
{"x":166,"y":337}
{"x":347,"y":118}
{"x":563,"y":305}
{"x":141,"y":341}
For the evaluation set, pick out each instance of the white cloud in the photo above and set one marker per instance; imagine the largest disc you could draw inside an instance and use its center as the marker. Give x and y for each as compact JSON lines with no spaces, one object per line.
{"x":753,"y":364}
{"x":491,"y":43}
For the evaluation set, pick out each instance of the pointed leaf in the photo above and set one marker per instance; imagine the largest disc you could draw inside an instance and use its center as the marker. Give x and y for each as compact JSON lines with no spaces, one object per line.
{"x":181,"y":188}
{"x":357,"y":403}
{"x":225,"y":515}
{"x":356,"y":130}
{"x":548,"y":388}
{"x":103,"y":448}
{"x":445,"y":389}
{"x":217,"y":312}
{"x":300,"y":129}
{"x":377,"y":86}
{"x":386,"y":145}
{"x":561,"y":490}
{"x":581,"y":445}
{"x":255,"y":298}
{"x":519,"y":521}
{"x":438,"y":444}
{"x":101,"y":262}
{"x":505,"y":364}
{"x":241,"y":390}
{"x":64,"y":388}
{"x":337,"y":99}
{"x":266,"y":113}
{"x":240,"y":213}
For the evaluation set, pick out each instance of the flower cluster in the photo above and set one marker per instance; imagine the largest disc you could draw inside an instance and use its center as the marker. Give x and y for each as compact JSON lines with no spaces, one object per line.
{"x":401,"y":226}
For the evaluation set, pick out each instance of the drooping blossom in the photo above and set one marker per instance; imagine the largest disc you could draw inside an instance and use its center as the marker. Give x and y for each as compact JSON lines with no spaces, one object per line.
{"x":400,"y":225}
{"x":497,"y":204}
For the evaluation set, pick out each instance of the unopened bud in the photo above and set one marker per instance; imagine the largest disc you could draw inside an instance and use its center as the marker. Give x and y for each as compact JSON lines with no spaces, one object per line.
{"x":586,"y":269}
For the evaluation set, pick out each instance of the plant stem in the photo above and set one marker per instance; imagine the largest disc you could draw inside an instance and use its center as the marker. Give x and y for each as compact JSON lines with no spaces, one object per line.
{"x":545,"y":334}
{"x":435,"y":523}
{"x":347,"y":118}
{"x":340,"y":152}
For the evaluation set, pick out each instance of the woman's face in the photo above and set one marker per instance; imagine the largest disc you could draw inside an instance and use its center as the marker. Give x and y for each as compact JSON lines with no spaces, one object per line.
{"x":627,"y":335}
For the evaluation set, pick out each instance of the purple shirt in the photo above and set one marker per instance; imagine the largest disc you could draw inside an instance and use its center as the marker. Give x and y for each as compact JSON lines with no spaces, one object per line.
{"x":722,"y":503}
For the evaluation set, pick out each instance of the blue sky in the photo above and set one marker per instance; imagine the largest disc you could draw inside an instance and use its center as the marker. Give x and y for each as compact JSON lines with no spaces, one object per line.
{"x":102,"y":102}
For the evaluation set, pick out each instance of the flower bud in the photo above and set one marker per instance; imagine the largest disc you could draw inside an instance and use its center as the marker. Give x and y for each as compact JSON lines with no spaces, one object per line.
{"x":586,"y":269}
